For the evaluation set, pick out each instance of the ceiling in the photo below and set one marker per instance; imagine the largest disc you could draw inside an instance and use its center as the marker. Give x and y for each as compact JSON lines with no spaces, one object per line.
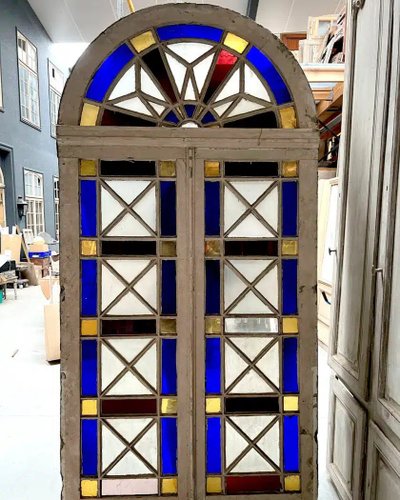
{"x":81,"y":21}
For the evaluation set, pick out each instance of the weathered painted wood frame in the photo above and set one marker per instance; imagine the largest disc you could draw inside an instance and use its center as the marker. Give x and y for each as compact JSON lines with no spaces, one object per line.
{"x":186,"y":146}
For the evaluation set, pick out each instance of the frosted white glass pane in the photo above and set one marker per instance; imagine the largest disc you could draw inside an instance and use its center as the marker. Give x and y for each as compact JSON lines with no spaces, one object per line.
{"x":147,"y":287}
{"x":234,"y":365}
{"x":129,"y":348}
{"x":251,"y":190}
{"x":235,"y":444}
{"x":253,"y":85}
{"x":147,"y":366}
{"x":190,"y":125}
{"x":201,"y":71}
{"x":148,"y":86}
{"x":233,"y":208}
{"x":190,"y":94}
{"x":110,"y":208}
{"x":159,"y":109}
{"x":111,"y":366}
{"x":111,"y":287}
{"x":251,"y":304}
{"x":134,"y":104}
{"x":111,"y":447}
{"x":178,"y":70}
{"x":128,"y":268}
{"x":129,"y":385}
{"x":129,"y":305}
{"x":129,"y":464}
{"x":251,"y":346}
{"x":128,"y":190}
{"x":147,"y":446}
{"x":251,"y":325}
{"x":268,"y":287}
{"x":251,"y":228}
{"x":233,"y":287}
{"x":129,"y":226}
{"x":245,"y":106}
{"x":231,"y":88}
{"x":250,"y":269}
{"x":220,"y":110}
{"x":253,"y":462}
{"x":129,"y":428}
{"x":126,"y":85}
{"x":268,"y":208}
{"x":254,"y":425}
{"x":269,"y":444}
{"x":146,"y":208}
{"x":269,"y":365}
{"x":251,"y":383}
{"x":189,"y":51}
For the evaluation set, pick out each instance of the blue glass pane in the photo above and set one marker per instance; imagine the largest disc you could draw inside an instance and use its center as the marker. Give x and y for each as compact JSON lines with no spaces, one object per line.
{"x":88,"y":201}
{"x":171,"y":117}
{"x":212,"y":208}
{"x":212,"y":287}
{"x":289,"y":208}
{"x":88,"y":288}
{"x":208,"y":118}
{"x":107,"y":72}
{"x":168,"y":208}
{"x":213,"y":366}
{"x":289,"y":286}
{"x":214,"y":445}
{"x":168,"y":292}
{"x":168,"y":367}
{"x":189,"y":31}
{"x":291,"y":460}
{"x":169,"y":441}
{"x":190,"y":109}
{"x":89,"y":447}
{"x":271,"y":75}
{"x":89,"y":368}
{"x":290,"y":373}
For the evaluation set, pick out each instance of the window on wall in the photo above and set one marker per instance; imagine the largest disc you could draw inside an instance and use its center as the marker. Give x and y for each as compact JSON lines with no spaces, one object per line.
{"x":34,"y":198}
{"x":28,"y":81}
{"x":56,"y":84}
{"x":57,"y":206}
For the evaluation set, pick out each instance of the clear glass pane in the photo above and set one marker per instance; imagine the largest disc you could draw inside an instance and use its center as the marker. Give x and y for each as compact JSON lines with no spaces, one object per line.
{"x":126,"y":85}
{"x":190,"y":51}
{"x":251,"y":325}
{"x":245,"y":106}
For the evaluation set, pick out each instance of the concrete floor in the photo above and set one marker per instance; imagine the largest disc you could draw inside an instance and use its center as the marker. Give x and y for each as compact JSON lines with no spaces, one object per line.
{"x":29,"y":406}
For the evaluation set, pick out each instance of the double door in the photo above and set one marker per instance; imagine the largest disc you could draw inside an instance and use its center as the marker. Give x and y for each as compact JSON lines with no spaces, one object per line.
{"x":196,"y":321}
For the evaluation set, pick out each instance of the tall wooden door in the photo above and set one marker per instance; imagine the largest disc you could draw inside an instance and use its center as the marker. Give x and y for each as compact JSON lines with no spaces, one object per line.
{"x":188,"y":240}
{"x":365,"y":338}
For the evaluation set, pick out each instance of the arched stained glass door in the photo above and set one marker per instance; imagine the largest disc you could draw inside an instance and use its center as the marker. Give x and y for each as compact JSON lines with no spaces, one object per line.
{"x":188,"y":312}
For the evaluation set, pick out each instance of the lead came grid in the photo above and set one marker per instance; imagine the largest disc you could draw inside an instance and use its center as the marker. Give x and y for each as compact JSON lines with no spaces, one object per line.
{"x":251,"y":327}
{"x":128,"y":328}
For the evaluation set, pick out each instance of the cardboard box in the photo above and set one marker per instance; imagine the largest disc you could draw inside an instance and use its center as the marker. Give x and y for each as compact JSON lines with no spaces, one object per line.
{"x":38,"y":247}
{"x":47,"y":284}
{"x":12,"y":243}
{"x":52,"y":331}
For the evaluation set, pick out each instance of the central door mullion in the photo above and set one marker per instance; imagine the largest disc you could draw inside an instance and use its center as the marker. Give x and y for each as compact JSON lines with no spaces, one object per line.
{"x":185,"y":349}
{"x":199,"y":301}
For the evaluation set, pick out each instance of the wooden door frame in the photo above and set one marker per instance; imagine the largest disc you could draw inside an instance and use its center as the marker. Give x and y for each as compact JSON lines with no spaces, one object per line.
{"x":183,"y":145}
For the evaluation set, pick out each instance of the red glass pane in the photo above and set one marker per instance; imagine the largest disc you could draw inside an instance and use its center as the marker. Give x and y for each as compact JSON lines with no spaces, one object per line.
{"x":253,"y":484}
{"x":225,"y":63}
{"x":128,"y":406}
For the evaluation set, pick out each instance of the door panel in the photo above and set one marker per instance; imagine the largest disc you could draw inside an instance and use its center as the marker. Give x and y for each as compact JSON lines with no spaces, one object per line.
{"x":252,"y":336}
{"x":346,"y":456}
{"x":383,"y":472}
{"x":359,"y":177}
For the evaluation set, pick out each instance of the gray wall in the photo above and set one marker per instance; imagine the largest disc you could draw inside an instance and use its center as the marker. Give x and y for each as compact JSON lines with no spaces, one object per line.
{"x":31,"y":148}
